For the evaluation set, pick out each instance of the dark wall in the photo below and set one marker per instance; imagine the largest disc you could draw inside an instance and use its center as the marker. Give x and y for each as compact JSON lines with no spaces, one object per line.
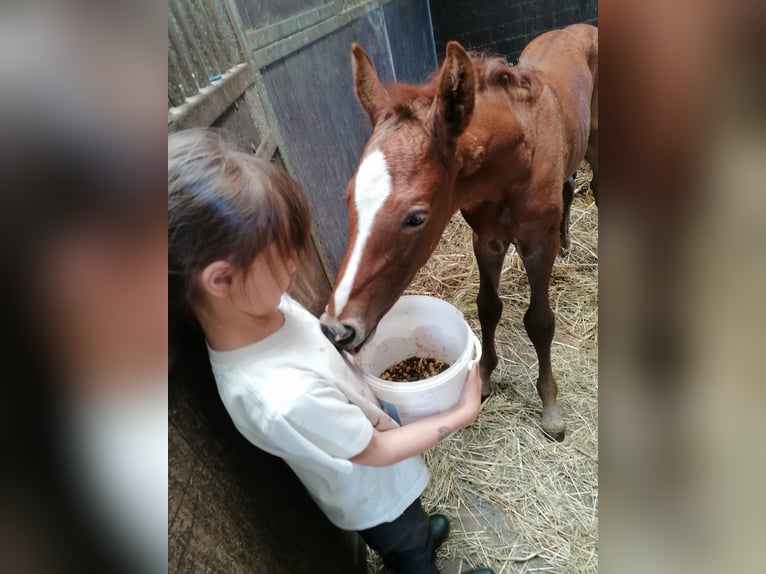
{"x":231,"y":506}
{"x":504,"y":27}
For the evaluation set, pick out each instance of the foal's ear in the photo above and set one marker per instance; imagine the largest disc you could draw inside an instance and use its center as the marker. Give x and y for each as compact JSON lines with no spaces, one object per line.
{"x":455,"y":92}
{"x":367,"y":87}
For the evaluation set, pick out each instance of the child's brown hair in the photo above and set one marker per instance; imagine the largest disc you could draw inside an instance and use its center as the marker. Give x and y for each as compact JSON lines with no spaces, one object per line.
{"x":224,"y":204}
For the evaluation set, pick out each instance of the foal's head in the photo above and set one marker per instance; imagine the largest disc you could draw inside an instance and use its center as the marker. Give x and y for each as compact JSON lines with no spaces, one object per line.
{"x":399,"y":201}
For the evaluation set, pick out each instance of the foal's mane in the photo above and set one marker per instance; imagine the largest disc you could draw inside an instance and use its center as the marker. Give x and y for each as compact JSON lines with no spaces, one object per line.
{"x":411,"y":101}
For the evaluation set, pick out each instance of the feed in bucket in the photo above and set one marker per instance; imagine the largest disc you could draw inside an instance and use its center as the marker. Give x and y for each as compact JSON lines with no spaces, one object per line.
{"x":423,"y":327}
{"x":414,"y":369}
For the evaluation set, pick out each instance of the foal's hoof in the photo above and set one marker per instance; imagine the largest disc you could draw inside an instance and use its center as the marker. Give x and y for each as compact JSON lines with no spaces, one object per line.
{"x":558,"y":436}
{"x":553,"y":424}
{"x":485,"y":397}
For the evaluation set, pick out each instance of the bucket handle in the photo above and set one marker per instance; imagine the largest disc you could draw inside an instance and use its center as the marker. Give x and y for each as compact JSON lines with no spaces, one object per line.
{"x":476,"y":350}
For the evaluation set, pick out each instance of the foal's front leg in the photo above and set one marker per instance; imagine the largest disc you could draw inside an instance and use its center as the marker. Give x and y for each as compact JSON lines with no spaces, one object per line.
{"x":490,"y":255}
{"x":540,"y":323}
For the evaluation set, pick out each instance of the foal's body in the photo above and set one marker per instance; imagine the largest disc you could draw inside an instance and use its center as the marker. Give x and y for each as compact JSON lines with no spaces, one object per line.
{"x":498,"y":143}
{"x":515,"y":196}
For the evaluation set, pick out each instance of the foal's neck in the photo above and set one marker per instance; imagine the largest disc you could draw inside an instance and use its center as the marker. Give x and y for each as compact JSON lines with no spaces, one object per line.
{"x":490,"y":167}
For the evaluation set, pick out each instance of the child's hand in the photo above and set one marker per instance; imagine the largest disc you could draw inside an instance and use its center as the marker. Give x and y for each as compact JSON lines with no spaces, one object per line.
{"x":470,"y":399}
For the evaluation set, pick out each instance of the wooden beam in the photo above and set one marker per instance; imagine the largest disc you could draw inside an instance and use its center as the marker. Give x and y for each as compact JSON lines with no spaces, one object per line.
{"x":279,"y":49}
{"x":261,"y":37}
{"x":202,"y":109}
{"x":268,"y":146}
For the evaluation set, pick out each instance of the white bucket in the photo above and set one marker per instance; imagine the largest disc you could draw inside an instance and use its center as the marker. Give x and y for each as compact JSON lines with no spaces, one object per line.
{"x":425,"y":327}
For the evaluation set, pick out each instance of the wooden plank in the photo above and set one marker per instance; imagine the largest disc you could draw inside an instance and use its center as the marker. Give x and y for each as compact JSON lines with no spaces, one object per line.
{"x":260,"y":37}
{"x":283,"y":48}
{"x":411,"y":39}
{"x":203,"y":108}
{"x":321,"y":122}
{"x":268,"y":146}
{"x":265,"y":12}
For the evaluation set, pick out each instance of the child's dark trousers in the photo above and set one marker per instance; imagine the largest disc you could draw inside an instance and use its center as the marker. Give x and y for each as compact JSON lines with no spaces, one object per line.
{"x":405,"y":544}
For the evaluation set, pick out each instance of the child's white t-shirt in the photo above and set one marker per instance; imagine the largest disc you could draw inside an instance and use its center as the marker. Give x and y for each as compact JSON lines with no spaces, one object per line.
{"x":281,"y":396}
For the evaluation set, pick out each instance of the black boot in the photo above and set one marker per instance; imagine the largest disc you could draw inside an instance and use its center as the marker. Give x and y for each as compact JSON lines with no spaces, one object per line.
{"x":439,"y":529}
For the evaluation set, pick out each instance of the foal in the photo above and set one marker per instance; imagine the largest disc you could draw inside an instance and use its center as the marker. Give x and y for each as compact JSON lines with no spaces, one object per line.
{"x":498,"y":143}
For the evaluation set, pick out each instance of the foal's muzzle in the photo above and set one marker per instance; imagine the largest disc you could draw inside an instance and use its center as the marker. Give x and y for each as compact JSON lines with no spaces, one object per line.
{"x":341,"y":335}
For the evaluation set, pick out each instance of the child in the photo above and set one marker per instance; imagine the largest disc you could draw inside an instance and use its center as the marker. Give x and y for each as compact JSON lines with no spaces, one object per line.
{"x":237,"y":227}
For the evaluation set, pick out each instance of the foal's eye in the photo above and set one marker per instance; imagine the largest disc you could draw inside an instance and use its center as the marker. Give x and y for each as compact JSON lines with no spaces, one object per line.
{"x":415,"y":219}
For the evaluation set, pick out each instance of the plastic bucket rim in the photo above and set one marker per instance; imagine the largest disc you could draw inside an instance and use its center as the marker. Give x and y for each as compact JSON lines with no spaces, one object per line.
{"x":420,"y":385}
{"x":436,"y":380}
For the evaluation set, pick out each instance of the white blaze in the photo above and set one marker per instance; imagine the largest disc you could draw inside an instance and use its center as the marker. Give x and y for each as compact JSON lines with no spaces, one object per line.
{"x":372,"y":187}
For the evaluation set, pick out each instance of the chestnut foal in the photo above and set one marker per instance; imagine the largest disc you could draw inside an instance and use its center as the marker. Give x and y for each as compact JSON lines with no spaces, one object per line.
{"x":500,"y":144}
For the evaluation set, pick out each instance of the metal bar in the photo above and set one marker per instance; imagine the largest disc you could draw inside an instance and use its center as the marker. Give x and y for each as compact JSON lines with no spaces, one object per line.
{"x":175,"y":91}
{"x":204,"y":40}
{"x":230,"y":43}
{"x":211,"y":36}
{"x":217,"y":37}
{"x":202,"y":73}
{"x":184,"y":49}
{"x":185,"y":68}
{"x":229,"y":38}
{"x":239,"y":29}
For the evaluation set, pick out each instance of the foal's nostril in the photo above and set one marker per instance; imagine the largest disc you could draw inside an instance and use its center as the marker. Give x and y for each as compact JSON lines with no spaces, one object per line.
{"x":348,"y":336}
{"x":341,"y":337}
{"x":327,"y":332}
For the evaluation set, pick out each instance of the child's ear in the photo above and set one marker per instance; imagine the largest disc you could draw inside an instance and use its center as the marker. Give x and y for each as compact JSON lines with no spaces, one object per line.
{"x":216,"y":279}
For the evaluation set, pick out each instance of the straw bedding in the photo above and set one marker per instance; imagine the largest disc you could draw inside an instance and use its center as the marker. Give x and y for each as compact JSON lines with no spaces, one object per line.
{"x":519,"y":502}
